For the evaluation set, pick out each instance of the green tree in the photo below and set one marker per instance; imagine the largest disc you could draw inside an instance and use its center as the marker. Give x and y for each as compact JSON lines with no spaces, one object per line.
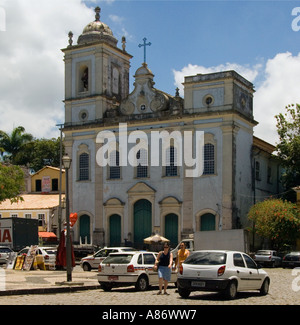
{"x":276,"y":220}
{"x":11,"y":183}
{"x":288,"y":129}
{"x":12,"y":144}
{"x":39,"y":153}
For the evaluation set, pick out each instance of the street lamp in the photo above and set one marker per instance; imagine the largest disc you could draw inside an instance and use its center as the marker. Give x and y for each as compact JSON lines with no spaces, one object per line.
{"x":66,"y":160}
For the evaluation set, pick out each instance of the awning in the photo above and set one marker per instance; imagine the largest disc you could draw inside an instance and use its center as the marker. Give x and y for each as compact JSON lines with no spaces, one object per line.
{"x":47,"y":234}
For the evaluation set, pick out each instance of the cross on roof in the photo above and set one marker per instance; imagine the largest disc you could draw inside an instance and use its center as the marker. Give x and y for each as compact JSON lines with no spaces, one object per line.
{"x":144,"y":45}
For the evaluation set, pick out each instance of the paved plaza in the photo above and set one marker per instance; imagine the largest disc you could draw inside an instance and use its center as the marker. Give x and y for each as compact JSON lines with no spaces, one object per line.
{"x":48,"y":288}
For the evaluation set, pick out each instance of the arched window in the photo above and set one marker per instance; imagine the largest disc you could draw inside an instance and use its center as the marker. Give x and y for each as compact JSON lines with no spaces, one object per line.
{"x":114,"y":165}
{"x":84,"y":162}
{"x":209,"y":159}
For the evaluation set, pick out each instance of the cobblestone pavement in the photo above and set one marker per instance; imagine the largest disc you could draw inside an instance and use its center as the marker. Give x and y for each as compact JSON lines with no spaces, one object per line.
{"x":284,"y":290}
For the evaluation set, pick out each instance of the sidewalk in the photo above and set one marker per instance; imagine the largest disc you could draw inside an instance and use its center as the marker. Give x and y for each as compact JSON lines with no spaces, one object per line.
{"x":19,"y":282}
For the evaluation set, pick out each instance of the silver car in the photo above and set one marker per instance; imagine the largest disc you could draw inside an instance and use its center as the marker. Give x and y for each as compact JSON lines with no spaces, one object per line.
{"x":92,"y":261}
{"x":4,"y":254}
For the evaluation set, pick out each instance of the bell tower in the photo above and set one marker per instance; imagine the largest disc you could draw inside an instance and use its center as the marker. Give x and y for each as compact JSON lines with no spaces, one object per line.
{"x":96,"y":73}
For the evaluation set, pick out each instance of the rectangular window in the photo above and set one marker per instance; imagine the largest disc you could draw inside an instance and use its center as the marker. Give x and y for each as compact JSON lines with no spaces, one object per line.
{"x":209,"y":159}
{"x":54,"y":184}
{"x":142,"y":168}
{"x":114,"y":165}
{"x":84,"y":167}
{"x":257,"y":170}
{"x":27,"y":215}
{"x":38,"y":185}
{"x":171,"y":168}
{"x":41,"y":219}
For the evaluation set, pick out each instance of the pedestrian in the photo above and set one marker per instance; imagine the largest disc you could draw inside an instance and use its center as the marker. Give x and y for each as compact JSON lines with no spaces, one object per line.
{"x":164,"y":262}
{"x":182,"y":255}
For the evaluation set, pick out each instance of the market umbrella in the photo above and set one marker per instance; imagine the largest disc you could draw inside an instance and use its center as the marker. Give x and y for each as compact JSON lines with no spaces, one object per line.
{"x":155,"y":239}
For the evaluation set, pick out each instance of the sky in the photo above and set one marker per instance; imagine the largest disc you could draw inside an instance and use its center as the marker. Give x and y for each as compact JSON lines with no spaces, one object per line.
{"x":258,"y":39}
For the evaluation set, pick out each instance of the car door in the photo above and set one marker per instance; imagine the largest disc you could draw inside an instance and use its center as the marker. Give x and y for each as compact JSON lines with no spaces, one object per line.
{"x":240,"y":271}
{"x":254,"y":277}
{"x":149,"y":260}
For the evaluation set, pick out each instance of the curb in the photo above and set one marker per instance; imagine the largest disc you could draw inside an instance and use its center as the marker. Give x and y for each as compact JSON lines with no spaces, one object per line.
{"x":47,"y":290}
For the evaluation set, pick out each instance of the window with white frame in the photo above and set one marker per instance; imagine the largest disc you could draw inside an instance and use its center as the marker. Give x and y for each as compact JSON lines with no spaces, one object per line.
{"x":209,"y":159}
{"x":41,"y":219}
{"x":171,"y":162}
{"x":84,"y":160}
{"x":142,"y":167}
{"x":114,"y":165}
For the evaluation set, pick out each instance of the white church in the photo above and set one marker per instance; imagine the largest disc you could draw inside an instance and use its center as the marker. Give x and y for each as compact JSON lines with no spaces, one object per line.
{"x":121,"y":202}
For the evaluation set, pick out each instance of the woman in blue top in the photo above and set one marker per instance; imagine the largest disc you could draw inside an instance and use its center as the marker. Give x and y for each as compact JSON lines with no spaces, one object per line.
{"x":164,"y":261}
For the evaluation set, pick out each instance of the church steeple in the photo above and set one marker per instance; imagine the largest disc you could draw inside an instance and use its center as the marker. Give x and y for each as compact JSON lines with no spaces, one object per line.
{"x":96,"y":70}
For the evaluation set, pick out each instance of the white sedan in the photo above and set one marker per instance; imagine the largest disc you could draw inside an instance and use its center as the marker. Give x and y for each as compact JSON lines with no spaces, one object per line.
{"x":225,"y":271}
{"x":129,"y":268}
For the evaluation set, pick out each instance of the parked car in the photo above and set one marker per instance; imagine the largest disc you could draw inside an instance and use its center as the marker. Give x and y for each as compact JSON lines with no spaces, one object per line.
{"x":5,"y":252}
{"x":129,"y":268}
{"x":221,"y":271}
{"x":291,"y":259}
{"x":267,"y":258}
{"x":93,"y":261}
{"x":49,"y":254}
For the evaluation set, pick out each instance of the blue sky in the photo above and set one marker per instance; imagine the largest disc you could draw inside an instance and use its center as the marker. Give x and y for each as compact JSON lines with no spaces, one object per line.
{"x":255,"y":38}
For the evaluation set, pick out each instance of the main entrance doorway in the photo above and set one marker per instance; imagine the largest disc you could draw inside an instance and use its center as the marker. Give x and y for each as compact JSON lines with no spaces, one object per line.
{"x":142,"y":220}
{"x":171,"y":228}
{"x":84,"y":226}
{"x":115,"y":230}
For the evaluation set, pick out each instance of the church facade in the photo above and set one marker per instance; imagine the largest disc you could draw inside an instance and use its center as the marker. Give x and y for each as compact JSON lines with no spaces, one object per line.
{"x":130,"y":176}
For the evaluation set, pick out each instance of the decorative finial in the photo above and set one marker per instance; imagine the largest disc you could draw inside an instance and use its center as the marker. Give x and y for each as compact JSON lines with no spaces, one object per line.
{"x":70,"y":38}
{"x":177,"y":92}
{"x":124,"y":43}
{"x":97,"y":11}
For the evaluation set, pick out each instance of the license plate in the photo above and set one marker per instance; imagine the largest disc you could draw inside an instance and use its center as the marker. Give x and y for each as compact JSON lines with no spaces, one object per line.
{"x":113,"y":278}
{"x":199,"y":284}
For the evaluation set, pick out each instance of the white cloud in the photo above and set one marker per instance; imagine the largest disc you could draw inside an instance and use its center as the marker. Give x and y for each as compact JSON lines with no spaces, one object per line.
{"x":31,"y":63}
{"x":280,"y":88}
{"x":279,"y":85}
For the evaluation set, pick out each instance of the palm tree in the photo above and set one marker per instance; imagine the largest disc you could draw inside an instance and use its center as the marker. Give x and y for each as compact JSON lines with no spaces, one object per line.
{"x":13,"y":143}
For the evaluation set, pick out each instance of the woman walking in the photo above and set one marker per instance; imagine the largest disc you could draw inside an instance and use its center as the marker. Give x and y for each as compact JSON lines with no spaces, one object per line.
{"x":164,"y":262}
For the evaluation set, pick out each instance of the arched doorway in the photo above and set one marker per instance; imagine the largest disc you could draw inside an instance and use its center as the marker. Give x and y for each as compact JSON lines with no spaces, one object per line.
{"x":84,"y":226}
{"x":171,"y":228}
{"x":208,"y":222}
{"x":115,"y":230}
{"x":142,"y":218}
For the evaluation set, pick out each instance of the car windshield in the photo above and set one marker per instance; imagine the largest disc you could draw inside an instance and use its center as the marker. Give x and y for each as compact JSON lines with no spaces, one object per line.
{"x":206,"y":258}
{"x":118,"y":259}
{"x":263,"y":253}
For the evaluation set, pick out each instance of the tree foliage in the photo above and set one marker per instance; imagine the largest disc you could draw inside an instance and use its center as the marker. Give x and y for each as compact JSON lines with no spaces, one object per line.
{"x":288,"y":129}
{"x":40,"y":153}
{"x":13,"y":143}
{"x":276,"y":220}
{"x":11,"y":183}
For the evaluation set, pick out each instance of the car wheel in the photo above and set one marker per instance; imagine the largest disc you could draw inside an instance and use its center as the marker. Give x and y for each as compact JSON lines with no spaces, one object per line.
{"x":231,"y":290}
{"x":184,"y":293}
{"x":265,"y":287}
{"x":106,"y":286}
{"x":142,"y":283}
{"x":86,"y":267}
